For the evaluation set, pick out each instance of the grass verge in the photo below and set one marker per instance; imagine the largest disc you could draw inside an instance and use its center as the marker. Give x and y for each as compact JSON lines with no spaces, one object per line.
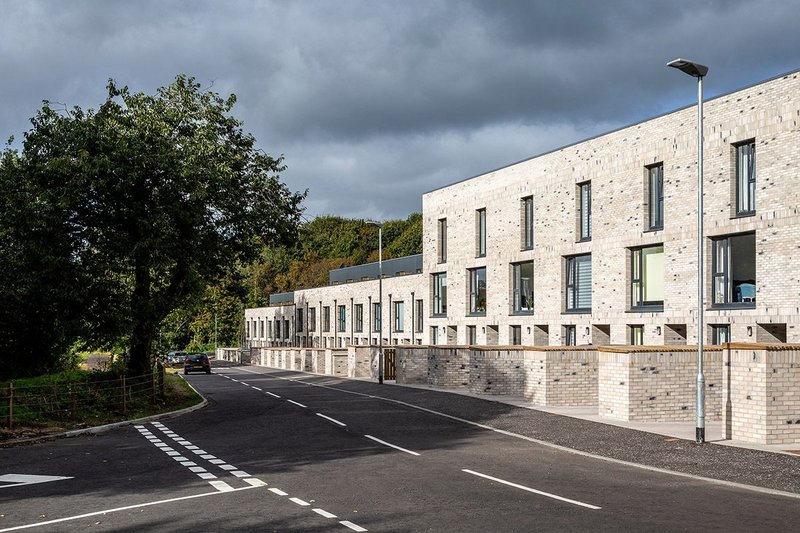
{"x":177,"y":395}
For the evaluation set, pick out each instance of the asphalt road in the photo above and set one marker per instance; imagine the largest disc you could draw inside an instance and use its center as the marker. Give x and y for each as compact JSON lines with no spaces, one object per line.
{"x":283,"y":451}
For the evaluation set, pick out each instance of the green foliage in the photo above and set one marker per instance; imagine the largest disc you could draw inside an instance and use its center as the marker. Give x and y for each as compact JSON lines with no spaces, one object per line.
{"x":113,"y":219}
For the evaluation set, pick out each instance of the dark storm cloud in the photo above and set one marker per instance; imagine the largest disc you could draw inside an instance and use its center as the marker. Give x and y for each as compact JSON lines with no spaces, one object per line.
{"x":374,"y":103}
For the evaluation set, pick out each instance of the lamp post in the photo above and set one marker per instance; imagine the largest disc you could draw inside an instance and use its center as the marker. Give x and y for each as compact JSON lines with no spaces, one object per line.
{"x":697,"y":70}
{"x":380,"y":297}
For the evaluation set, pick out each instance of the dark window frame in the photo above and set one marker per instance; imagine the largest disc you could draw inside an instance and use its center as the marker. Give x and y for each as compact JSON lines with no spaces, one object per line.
{"x":527,"y":222}
{"x":516,"y":290}
{"x":637,"y":283}
{"x":475,"y":309}
{"x":585,"y":211}
{"x":480,"y":232}
{"x":441,"y":240}
{"x":439,"y":295}
{"x":655,"y":197}
{"x":574,"y":282}
{"x":722,"y":275}
{"x":745,"y":196}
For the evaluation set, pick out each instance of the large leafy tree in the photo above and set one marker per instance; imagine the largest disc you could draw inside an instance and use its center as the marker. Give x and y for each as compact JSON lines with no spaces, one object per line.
{"x":152,"y":198}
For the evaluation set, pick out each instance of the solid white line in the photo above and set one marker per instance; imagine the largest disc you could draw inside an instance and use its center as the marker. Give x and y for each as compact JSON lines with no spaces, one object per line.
{"x":332,"y":420}
{"x":539,"y":492}
{"x":126,"y":508}
{"x":391,"y":445}
{"x":300,"y":502}
{"x":296,"y":403}
{"x":221,"y":486}
{"x":352,"y":526}
{"x":279,"y":492}
{"x":271,"y":394}
{"x":326,"y":514}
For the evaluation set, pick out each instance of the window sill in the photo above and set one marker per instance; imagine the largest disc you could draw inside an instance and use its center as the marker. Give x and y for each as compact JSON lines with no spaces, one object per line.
{"x":653,"y":230}
{"x":526,"y":249}
{"x":577,"y":312}
{"x":585,"y":239}
{"x":439,"y":315}
{"x":646,"y":309}
{"x":483,"y":313}
{"x":737,"y":305}
{"x":521,"y":313}
{"x":747,"y":214}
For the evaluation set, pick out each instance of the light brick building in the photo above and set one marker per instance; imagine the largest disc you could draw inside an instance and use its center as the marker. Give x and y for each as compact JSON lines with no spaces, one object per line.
{"x":595,"y":243}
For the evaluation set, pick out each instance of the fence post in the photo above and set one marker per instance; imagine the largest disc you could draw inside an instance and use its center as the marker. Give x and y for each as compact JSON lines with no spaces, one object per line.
{"x":10,"y":405}
{"x":124,"y":406}
{"x":74,"y":400}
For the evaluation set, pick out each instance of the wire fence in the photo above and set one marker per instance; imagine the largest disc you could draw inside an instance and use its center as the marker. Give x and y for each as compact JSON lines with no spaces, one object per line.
{"x":69,"y":398}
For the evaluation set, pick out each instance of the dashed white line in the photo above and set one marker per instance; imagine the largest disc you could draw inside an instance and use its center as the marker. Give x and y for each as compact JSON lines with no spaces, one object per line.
{"x":272,"y":394}
{"x":279,"y":492}
{"x":221,"y":486}
{"x":299,"y":502}
{"x":332,"y":420}
{"x":256,"y":388}
{"x":352,"y":526}
{"x":528,"y":489}
{"x":324,"y":513}
{"x":296,"y":403}
{"x":391,"y":445}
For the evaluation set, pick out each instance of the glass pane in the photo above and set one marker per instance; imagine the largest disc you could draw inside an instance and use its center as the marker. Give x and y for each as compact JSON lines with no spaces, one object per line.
{"x":653,"y":275}
{"x":584,"y":286}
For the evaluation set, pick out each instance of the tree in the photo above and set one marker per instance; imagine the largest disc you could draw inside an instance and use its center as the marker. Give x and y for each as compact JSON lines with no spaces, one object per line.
{"x":158,"y":196}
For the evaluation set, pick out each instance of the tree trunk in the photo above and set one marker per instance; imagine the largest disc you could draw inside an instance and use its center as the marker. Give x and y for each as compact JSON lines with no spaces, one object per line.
{"x":143,"y":324}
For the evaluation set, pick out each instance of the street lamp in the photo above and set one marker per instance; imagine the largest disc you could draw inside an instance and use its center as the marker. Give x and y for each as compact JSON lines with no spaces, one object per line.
{"x":380,"y":297}
{"x":697,"y":70}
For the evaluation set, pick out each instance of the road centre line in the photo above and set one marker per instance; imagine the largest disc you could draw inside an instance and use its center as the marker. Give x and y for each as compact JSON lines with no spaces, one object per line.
{"x":126,"y":508}
{"x":296,"y":403}
{"x":534,"y":491}
{"x":324,"y":513}
{"x":272,"y":394}
{"x":298,"y":501}
{"x":742,"y":486}
{"x":352,"y":526}
{"x":332,"y":420}
{"x":391,"y":445}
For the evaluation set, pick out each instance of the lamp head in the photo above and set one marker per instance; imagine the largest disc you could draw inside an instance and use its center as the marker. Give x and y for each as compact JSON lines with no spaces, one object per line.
{"x":691,"y":68}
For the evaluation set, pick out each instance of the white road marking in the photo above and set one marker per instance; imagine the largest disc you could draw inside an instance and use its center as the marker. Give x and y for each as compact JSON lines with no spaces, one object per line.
{"x":528,"y":489}
{"x":332,"y":420}
{"x":207,"y":456}
{"x":391,"y":445}
{"x":279,"y":492}
{"x":227,"y":467}
{"x":240,"y":473}
{"x":296,"y":403}
{"x":221,"y":486}
{"x":118,"y":509}
{"x":243,"y":383}
{"x":300,"y":502}
{"x":254,"y":481}
{"x":217,"y":462}
{"x":352,"y":526}
{"x":197,"y":469}
{"x":324,"y":513}
{"x":256,"y":388}
{"x":17,"y":480}
{"x":206,"y":475}
{"x":271,"y":394}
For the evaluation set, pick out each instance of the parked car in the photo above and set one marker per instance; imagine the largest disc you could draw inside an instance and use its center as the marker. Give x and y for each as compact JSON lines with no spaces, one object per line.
{"x":196,"y":361}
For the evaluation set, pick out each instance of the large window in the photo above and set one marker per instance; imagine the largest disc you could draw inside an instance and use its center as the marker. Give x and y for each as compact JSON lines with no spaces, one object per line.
{"x":527,"y":222}
{"x":312,"y":319}
{"x":480,"y":233}
{"x":358,"y":309}
{"x":300,"y":320}
{"x":442,"y":240}
{"x":399,"y":310}
{"x":647,"y":276}
{"x":278,"y":328}
{"x":655,"y":197}
{"x":585,"y":211}
{"x":440,"y":294}
{"x":477,"y":290}
{"x":418,"y":317}
{"x":326,"y":318}
{"x":376,"y":317}
{"x":734,"y":270}
{"x":746,"y":178}
{"x":342,"y":318}
{"x":522,"y":274}
{"x":579,"y":284}
{"x":286,"y":328}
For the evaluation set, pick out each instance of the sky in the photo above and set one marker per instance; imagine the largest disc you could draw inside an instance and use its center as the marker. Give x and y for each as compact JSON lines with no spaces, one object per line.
{"x":375,"y":102}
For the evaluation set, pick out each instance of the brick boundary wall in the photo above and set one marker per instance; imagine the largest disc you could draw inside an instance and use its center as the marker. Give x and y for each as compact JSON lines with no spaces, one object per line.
{"x":561,"y":376}
{"x":496,"y":371}
{"x":761,"y":400}
{"x":657,"y":383}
